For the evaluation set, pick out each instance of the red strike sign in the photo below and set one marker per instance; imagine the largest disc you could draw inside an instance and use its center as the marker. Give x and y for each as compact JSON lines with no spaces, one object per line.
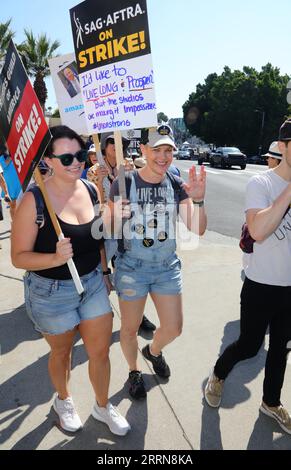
{"x":27,"y":132}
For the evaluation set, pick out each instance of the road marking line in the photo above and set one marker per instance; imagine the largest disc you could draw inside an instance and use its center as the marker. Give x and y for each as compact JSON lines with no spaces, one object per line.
{"x":213,"y":171}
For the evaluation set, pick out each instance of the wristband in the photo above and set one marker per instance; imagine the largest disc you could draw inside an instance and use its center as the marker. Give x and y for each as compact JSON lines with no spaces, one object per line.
{"x":198,"y":203}
{"x":106,"y":273}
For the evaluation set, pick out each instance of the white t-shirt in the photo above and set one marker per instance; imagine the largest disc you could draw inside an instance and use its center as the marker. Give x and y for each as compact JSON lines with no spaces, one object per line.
{"x":270,"y":262}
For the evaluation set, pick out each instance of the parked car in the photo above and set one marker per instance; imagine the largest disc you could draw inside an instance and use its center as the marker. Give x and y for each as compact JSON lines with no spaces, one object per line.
{"x":227,"y":157}
{"x":185,"y":150}
{"x":257,"y":160}
{"x":184,"y":154}
{"x":203,"y":155}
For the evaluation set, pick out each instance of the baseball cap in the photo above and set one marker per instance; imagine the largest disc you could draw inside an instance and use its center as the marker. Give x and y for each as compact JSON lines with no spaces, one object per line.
{"x":162,"y":135}
{"x":107,"y":135}
{"x":285,"y":131}
{"x":273,"y":151}
{"x":92,"y":148}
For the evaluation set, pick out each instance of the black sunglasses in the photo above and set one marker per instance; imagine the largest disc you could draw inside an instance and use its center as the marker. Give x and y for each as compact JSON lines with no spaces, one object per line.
{"x":68,"y":158}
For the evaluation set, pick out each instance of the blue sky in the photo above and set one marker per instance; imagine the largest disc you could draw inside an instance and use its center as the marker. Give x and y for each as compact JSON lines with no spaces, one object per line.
{"x":189,"y":38}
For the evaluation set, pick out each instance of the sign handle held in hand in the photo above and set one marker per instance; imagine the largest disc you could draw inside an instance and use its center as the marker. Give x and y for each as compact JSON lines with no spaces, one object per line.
{"x":73,"y":271}
{"x":70,"y":262}
{"x":120,"y":163}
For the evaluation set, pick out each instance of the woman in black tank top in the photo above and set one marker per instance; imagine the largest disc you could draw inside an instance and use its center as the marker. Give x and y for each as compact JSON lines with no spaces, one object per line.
{"x":52,"y":301}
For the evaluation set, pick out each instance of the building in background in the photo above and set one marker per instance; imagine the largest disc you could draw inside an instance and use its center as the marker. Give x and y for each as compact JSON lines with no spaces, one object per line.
{"x":181,"y":133}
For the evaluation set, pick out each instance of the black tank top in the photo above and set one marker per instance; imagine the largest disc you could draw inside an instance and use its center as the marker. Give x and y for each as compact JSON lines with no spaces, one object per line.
{"x":85,"y":247}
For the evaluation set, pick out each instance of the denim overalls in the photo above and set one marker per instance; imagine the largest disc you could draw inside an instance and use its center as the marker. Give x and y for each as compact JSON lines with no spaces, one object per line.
{"x":149,"y":262}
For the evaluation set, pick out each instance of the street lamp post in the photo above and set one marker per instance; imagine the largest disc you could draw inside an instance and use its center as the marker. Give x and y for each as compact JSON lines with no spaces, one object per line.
{"x":262,"y":129}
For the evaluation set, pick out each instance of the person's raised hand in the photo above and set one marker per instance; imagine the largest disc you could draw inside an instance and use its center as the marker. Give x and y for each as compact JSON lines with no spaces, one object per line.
{"x":196,"y":185}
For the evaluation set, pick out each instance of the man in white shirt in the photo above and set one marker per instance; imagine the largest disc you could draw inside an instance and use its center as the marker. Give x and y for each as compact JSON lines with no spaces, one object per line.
{"x":73,"y":86}
{"x":266,"y":293}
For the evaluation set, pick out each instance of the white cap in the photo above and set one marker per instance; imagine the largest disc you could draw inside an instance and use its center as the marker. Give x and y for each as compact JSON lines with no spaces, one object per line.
{"x":92,"y":148}
{"x":274,"y":151}
{"x":161,"y":136}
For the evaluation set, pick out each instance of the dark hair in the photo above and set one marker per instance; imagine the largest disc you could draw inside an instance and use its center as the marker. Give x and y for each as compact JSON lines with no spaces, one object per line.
{"x":60,"y":132}
{"x":3,"y":149}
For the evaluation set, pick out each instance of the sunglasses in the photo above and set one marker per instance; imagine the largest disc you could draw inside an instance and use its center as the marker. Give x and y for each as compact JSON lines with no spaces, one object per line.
{"x":68,"y":158}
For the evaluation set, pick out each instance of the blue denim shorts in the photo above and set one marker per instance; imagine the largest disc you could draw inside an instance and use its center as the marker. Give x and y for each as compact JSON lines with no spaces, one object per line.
{"x":135,"y":278}
{"x":55,"y":307}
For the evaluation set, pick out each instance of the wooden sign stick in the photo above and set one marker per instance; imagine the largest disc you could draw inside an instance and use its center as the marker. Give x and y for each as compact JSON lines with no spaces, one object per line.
{"x":120,"y":163}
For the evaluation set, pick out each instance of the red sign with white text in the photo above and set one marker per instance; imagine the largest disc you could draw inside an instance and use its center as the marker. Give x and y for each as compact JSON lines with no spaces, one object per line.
{"x":21,"y":117}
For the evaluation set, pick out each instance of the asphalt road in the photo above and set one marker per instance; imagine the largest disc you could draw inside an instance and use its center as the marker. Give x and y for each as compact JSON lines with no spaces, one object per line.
{"x":225,"y":195}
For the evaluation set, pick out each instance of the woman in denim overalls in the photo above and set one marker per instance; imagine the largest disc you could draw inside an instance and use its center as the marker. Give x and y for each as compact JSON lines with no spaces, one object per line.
{"x":147,"y":260}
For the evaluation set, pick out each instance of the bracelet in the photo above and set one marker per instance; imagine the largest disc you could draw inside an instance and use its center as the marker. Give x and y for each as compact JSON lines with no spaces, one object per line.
{"x":198,"y":203}
{"x":106,"y":273}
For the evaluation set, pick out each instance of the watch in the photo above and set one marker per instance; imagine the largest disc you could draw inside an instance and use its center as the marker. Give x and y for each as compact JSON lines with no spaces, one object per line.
{"x":106,"y":273}
{"x":198,"y":203}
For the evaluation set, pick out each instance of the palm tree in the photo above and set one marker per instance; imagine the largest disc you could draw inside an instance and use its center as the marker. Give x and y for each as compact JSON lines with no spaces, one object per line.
{"x":35,"y":53}
{"x":5,"y":35}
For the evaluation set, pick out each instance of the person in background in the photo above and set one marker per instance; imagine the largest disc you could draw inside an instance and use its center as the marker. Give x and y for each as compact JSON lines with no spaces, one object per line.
{"x":11,"y":178}
{"x":266,"y":292}
{"x":52,"y":301}
{"x":89,"y":142}
{"x":273,"y":156}
{"x":105,"y":171}
{"x":92,"y":160}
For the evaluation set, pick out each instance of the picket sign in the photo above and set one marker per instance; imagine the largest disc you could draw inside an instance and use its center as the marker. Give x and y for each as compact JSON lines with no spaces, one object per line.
{"x":58,"y":230}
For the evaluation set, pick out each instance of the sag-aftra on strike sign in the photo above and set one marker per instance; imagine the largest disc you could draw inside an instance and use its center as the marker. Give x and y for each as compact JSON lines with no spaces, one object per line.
{"x":21,"y":118}
{"x":113,"y":54}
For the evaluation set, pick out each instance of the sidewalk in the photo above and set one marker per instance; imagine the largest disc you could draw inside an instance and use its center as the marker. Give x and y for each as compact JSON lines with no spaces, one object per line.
{"x":174,"y":415}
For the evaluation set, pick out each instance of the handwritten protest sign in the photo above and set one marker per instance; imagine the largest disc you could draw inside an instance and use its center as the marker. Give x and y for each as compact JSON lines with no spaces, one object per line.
{"x":113,"y":55}
{"x":64,"y":73}
{"x":21,"y":117}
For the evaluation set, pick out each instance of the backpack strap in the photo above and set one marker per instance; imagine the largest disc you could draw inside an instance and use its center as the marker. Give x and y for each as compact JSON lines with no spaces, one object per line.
{"x":92,"y":191}
{"x":39,"y":204}
{"x":175,"y":185}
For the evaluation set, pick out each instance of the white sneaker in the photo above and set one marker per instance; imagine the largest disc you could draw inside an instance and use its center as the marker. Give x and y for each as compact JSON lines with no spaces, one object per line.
{"x":69,"y":418}
{"x":111,"y":416}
